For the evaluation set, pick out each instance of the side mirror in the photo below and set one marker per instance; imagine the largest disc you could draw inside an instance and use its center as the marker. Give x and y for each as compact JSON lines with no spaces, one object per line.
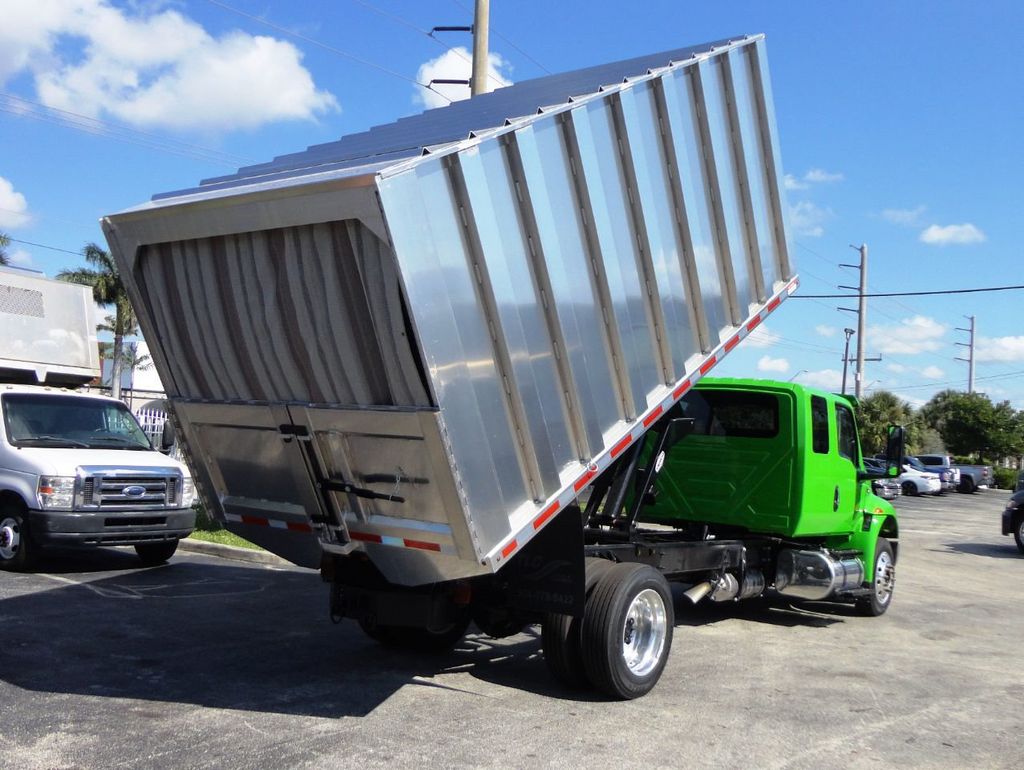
{"x":895,"y":448}
{"x":167,"y":437}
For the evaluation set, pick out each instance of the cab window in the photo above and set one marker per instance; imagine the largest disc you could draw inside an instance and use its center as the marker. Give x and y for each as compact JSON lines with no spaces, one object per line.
{"x":819,"y":425}
{"x":846,"y":434}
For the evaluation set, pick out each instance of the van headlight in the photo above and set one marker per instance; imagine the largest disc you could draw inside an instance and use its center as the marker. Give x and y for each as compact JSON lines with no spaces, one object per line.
{"x":56,"y":493}
{"x":188,"y":492}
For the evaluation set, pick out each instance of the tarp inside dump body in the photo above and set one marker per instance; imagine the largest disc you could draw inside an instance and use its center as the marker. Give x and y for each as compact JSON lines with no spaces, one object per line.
{"x":427,"y":352}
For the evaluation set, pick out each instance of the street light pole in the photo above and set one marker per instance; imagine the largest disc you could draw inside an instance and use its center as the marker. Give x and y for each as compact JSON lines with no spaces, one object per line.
{"x":846,"y":355}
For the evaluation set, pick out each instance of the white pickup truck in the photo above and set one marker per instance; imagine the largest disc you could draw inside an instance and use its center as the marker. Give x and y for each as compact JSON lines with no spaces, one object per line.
{"x":75,"y":468}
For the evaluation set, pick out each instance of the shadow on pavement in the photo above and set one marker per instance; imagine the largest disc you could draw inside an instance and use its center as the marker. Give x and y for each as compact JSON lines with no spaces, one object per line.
{"x":1004,"y":550}
{"x":245,"y":637}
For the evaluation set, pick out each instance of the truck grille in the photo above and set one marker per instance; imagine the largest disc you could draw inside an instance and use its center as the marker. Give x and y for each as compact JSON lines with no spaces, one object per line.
{"x":109,"y":492}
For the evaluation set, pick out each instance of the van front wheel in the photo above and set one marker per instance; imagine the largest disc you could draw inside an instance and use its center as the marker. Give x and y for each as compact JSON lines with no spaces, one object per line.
{"x":16,"y":550}
{"x":153,"y":554}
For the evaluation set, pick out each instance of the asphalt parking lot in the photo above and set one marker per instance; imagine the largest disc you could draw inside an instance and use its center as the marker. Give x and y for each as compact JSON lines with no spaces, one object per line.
{"x":216,"y":664}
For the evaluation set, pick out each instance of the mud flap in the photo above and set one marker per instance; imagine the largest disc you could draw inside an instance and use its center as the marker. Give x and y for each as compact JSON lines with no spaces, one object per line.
{"x":548,"y":574}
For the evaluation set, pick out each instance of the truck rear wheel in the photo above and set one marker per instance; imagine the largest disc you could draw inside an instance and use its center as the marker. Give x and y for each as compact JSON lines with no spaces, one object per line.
{"x":561,"y":635}
{"x":152,"y":554}
{"x":882,"y":584}
{"x":967,"y":485}
{"x":416,"y":638}
{"x":627,"y":630}
{"x":16,"y":550}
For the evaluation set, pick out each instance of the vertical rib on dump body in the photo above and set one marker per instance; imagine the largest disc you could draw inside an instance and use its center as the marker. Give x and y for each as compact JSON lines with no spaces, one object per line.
{"x":425,"y":340}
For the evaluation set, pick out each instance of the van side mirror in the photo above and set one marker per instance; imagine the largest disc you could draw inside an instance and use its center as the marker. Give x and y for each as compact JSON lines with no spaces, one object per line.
{"x":167,"y":436}
{"x":895,"y":448}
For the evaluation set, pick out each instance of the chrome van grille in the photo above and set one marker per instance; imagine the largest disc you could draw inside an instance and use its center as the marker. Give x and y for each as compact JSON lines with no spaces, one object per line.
{"x":130,"y":492}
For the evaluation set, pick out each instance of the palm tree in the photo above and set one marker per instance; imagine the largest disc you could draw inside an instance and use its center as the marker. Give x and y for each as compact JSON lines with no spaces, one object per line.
{"x":135,"y":362}
{"x":107,"y":289}
{"x":5,"y":241}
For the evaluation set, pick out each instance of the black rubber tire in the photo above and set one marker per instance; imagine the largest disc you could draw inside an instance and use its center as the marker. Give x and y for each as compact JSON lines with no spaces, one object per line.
{"x":153,"y":554}
{"x":909,"y":489}
{"x":967,"y":486}
{"x":561,"y":635}
{"x":873,"y":606}
{"x":605,"y":621}
{"x":1018,"y":534}
{"x":24,"y":555}
{"x":417,"y":639}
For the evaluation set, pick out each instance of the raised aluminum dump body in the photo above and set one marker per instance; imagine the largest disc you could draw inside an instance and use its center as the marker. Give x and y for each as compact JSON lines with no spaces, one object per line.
{"x":425,"y":340}
{"x":47,"y":330}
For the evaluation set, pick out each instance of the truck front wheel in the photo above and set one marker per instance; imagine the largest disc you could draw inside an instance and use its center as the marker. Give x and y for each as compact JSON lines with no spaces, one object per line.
{"x":883,"y":583}
{"x":16,"y":551}
{"x":1018,"y":534}
{"x":627,"y":630}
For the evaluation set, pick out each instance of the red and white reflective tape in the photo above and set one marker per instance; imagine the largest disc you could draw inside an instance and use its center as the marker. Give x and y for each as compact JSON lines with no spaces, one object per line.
{"x":401,"y":542}
{"x":568,"y":494}
{"x":263,"y":521}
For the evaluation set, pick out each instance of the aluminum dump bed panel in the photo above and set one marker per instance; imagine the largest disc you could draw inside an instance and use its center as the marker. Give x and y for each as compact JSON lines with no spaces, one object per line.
{"x":430,"y":360}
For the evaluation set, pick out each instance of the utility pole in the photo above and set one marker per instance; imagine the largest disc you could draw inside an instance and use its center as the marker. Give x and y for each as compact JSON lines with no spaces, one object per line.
{"x":478,"y":80}
{"x":970,"y":353}
{"x":862,"y":314}
{"x":481,"y":31}
{"x":846,"y":355}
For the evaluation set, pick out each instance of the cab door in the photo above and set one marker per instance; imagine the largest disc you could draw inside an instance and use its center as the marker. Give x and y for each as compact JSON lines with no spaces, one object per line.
{"x":830,"y":478}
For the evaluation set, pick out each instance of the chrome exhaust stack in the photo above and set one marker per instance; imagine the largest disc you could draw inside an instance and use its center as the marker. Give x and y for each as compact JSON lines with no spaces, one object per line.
{"x":816,"y":575}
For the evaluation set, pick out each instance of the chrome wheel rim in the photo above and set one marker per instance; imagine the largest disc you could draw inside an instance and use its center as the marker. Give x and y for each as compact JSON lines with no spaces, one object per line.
{"x":885,"y":577}
{"x":644,"y":632}
{"x":10,"y":538}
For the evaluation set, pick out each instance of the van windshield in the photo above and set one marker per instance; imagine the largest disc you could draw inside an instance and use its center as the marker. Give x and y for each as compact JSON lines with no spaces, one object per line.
{"x":52,"y":420}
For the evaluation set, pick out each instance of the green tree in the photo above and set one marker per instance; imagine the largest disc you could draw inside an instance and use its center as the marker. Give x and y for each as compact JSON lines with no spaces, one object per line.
{"x":134,"y":362}
{"x":107,"y":289}
{"x":970,"y":424}
{"x":5,"y":241}
{"x":880,"y":410}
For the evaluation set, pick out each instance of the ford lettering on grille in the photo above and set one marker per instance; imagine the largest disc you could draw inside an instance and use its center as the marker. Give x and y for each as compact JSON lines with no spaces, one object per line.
{"x":134,"y":490}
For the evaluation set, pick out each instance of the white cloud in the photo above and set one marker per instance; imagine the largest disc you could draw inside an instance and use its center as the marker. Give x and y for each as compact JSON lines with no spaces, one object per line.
{"x":761,"y":337}
{"x":943,"y":235}
{"x":826,"y":379}
{"x":790,"y":182}
{"x":769,"y":364}
{"x":825,"y":330}
{"x":896,"y":368}
{"x":817,"y":175}
{"x":908,"y":217}
{"x":155,"y":69}
{"x":910,"y":336}
{"x":999,"y":349}
{"x":13,"y":207}
{"x":20,"y":258}
{"x":456,"y":64}
{"x":808,"y":219}
{"x":932,"y":372}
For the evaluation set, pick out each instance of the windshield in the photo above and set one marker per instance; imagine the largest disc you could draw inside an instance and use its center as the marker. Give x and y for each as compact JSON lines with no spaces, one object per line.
{"x":51,"y":420}
{"x":914,"y":463}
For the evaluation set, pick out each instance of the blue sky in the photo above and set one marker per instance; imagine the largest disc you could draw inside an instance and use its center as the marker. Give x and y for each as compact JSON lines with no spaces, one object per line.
{"x":900,"y":125}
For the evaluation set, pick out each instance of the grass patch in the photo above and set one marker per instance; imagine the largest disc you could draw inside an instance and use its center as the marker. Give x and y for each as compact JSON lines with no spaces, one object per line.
{"x":212,"y":531}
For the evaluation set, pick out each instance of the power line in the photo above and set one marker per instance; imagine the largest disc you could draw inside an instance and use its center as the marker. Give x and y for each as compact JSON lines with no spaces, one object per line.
{"x":908,"y":293}
{"x":44,"y":246}
{"x":326,"y":47}
{"x":21,"y":107}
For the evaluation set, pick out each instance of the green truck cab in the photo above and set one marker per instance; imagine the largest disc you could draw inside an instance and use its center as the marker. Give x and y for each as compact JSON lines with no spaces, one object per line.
{"x":780,"y":464}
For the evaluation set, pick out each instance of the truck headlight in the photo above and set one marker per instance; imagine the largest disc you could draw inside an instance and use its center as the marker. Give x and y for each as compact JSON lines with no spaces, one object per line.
{"x":188,"y":492}
{"x":56,"y":493}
